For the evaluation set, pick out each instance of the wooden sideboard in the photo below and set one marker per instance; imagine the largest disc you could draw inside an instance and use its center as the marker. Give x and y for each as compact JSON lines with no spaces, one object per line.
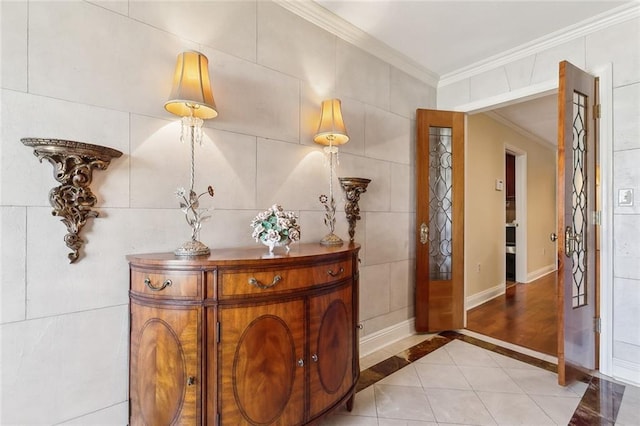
{"x":241,"y":338}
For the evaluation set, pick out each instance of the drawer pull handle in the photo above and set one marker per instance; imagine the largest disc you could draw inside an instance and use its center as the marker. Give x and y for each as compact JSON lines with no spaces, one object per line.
{"x":191,"y":381}
{"x":314,"y":358}
{"x":258,"y":284}
{"x":164,"y":285}
{"x":300,"y":362}
{"x":335,"y":274}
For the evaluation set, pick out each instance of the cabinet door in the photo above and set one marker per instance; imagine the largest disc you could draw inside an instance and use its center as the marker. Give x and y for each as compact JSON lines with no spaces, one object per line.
{"x":262,"y":364}
{"x":164,"y":386}
{"x":331,"y":347}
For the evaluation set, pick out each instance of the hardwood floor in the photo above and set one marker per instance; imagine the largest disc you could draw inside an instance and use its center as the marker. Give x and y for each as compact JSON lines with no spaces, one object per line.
{"x":525,"y":315}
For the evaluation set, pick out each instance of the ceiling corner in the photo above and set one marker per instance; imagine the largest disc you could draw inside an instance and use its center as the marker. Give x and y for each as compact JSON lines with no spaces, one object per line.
{"x":323,"y":18}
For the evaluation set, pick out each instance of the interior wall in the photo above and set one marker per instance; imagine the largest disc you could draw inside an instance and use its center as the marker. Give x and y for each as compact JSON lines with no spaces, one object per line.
{"x":485,"y":217}
{"x":100,"y":72}
{"x":541,"y":204}
{"x":617,"y":45}
{"x":485,"y":208}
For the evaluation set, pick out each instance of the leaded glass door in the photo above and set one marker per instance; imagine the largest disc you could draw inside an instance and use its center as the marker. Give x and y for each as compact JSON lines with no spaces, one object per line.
{"x":439,"y":220}
{"x":577,"y":307}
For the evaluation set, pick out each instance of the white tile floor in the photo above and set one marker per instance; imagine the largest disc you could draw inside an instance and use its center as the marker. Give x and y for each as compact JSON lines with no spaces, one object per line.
{"x":462,"y":384}
{"x":629,"y":414}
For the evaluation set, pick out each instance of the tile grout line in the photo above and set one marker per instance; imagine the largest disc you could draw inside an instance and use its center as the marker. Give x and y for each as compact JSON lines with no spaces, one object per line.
{"x":589,"y":408}
{"x":394,"y":363}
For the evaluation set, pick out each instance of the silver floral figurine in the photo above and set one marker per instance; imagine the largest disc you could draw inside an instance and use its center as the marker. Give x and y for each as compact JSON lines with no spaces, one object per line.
{"x":329,"y":204}
{"x":194,"y":215}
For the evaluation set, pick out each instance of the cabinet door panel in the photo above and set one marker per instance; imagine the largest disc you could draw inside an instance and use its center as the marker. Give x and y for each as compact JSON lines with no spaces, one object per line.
{"x":164,"y":355}
{"x":331,"y":347}
{"x":261,"y":380}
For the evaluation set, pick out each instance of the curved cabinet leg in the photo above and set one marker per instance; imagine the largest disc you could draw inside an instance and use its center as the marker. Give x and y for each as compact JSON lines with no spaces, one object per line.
{"x":350,"y":402}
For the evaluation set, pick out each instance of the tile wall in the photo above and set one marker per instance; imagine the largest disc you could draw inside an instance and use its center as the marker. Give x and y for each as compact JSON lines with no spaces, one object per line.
{"x":100,"y":72}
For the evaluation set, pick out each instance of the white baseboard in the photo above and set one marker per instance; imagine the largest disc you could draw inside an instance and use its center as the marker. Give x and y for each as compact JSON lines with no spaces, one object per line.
{"x":539,"y":273}
{"x":379,"y":339}
{"x":484,"y":296}
{"x":626,"y":371}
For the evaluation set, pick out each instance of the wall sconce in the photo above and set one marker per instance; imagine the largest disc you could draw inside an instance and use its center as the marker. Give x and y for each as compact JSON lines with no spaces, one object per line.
{"x":191,"y":98}
{"x":331,"y":133}
{"x":73,"y":164}
{"x":353,"y":188}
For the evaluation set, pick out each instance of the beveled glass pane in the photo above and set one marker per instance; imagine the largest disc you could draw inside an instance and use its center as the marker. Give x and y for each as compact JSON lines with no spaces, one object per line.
{"x":579,"y":201}
{"x":440,"y":202}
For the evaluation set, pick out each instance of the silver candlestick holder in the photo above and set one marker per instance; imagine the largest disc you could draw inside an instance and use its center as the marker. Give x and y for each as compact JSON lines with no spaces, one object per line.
{"x":353,"y":188}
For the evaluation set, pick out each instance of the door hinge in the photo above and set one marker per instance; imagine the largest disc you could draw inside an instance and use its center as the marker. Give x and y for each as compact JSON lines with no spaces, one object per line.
{"x":596,"y":111}
{"x":597,"y":217}
{"x":218,"y":332}
{"x":597,"y":325}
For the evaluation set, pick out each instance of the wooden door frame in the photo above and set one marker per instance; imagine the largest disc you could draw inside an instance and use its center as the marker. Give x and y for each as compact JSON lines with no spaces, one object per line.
{"x":605,"y":136}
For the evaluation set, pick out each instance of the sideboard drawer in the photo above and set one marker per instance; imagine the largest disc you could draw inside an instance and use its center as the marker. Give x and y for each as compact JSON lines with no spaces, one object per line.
{"x":163,"y":284}
{"x":248,"y":282}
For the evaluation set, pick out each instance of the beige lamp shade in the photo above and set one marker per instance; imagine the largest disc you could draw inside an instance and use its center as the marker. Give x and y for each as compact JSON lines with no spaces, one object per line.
{"x":331,"y":130}
{"x":191,"y":92}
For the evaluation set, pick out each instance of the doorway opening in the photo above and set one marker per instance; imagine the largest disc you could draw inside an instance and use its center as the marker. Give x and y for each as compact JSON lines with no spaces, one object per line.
{"x":605,"y":254}
{"x":524,"y":313}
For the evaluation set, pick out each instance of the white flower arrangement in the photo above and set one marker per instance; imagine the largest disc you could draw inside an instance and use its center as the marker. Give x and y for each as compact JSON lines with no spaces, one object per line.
{"x":275,"y":227}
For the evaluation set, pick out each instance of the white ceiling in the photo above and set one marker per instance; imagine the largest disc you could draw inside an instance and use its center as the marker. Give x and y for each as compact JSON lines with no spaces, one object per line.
{"x":447,"y":37}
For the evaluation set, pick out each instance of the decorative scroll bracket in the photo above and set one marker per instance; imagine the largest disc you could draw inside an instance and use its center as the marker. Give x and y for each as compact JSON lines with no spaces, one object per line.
{"x":73,"y":164}
{"x":353,"y":187}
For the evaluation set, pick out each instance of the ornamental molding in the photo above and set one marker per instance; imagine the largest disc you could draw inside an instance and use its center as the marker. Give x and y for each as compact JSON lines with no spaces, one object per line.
{"x":581,"y":29}
{"x":323,"y":18}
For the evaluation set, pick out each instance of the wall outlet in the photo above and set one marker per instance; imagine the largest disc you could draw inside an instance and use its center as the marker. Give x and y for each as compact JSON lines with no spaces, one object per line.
{"x":478,"y":268}
{"x":625,"y":197}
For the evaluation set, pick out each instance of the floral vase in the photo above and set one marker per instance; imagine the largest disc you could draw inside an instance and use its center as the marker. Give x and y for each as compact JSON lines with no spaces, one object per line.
{"x":272,"y":244}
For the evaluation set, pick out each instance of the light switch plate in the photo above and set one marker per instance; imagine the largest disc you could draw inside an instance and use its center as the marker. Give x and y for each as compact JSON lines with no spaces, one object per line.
{"x":625,"y":197}
{"x":499,"y":184}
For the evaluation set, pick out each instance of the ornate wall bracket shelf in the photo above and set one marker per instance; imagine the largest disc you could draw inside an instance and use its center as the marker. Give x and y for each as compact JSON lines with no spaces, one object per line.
{"x":353,"y":187}
{"x":73,"y":164}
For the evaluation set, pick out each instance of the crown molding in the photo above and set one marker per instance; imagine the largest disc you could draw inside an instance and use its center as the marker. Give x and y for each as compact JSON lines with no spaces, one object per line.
{"x":614,"y":16}
{"x":337,"y":26}
{"x":323,"y":18}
